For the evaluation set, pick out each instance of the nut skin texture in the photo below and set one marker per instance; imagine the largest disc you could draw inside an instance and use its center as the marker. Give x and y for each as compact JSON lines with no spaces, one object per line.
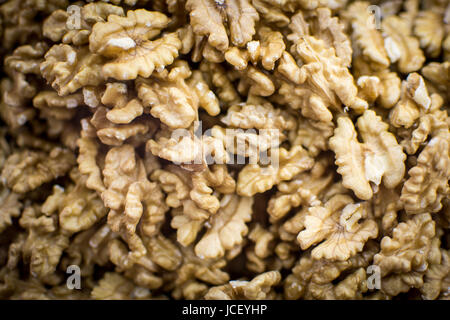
{"x":379,"y":155}
{"x":127,"y":41}
{"x":135,"y":134}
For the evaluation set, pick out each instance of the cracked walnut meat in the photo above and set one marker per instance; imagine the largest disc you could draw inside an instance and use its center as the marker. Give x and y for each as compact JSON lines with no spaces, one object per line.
{"x":225,"y":149}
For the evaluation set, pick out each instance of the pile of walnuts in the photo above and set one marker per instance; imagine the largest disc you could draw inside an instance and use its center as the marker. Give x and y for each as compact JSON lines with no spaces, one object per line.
{"x":134,"y":139}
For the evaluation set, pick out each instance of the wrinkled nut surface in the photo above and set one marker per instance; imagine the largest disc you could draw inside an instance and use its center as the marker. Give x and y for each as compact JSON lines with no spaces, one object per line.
{"x":225,"y":149}
{"x":379,"y":157}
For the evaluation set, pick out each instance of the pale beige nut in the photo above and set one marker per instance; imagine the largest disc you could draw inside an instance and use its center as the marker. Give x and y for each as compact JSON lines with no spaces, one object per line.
{"x":10,"y":208}
{"x":390,"y":89}
{"x":386,"y":206}
{"x":137,"y":197}
{"x":303,"y":189}
{"x":427,"y":184}
{"x":429,"y":28}
{"x":54,"y":27}
{"x":268,"y":49}
{"x":124,"y":109}
{"x":87,"y":162}
{"x":164,"y":252}
{"x":397,"y":283}
{"x":218,"y":79}
{"x":259,"y":288}
{"x":26,"y":170}
{"x":51,"y":105}
{"x":16,"y":93}
{"x":189,"y":150}
{"x":401,"y":46}
{"x":176,"y":101}
{"x":188,"y":218}
{"x":203,"y":183}
{"x":194,"y":273}
{"x":15,"y":287}
{"x":408,"y":248}
{"x":368,"y":39}
{"x":207,"y":21}
{"x":413,"y":101}
{"x":254,"y":179}
{"x":272,"y":12}
{"x":208,"y":16}
{"x":266,"y":252}
{"x":173,"y":102}
{"x":44,"y":244}
{"x":19,"y":25}
{"x":291,"y":227}
{"x":206,"y":97}
{"x":5,"y":148}
{"x":67,"y":69}
{"x":258,"y":116}
{"x":322,"y":82}
{"x":439,"y":76}
{"x":285,"y":252}
{"x":62,"y":25}
{"x":142,"y":273}
{"x":161,"y":253}
{"x":126,"y":183}
{"x":89,"y":248}
{"x":228,"y":227}
{"x":312,"y":135}
{"x":437,"y":279}
{"x":116,"y":134}
{"x":401,"y":283}
{"x":27,"y":139}
{"x":14,"y":253}
{"x":262,"y":238}
{"x":92,"y":95}
{"x":432,"y":123}
{"x":310,"y":50}
{"x":187,"y":37}
{"x":26,"y":59}
{"x":289,"y":69}
{"x":255,"y":82}
{"x":254,"y":263}
{"x":312,"y":279}
{"x":242,"y":18}
{"x":174,"y":182}
{"x":78,"y":207}
{"x":345,"y":226}
{"x":249,"y":144}
{"x":321,"y":24}
{"x":114,"y":286}
{"x":380,"y":157}
{"x":188,"y":221}
{"x":122,"y":168}
{"x":126,"y":40}
{"x":208,"y":52}
{"x":377,"y":87}
{"x":368,"y":88}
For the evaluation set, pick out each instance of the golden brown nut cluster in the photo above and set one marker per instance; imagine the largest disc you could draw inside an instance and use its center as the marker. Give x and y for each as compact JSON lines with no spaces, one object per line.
{"x":225,"y":149}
